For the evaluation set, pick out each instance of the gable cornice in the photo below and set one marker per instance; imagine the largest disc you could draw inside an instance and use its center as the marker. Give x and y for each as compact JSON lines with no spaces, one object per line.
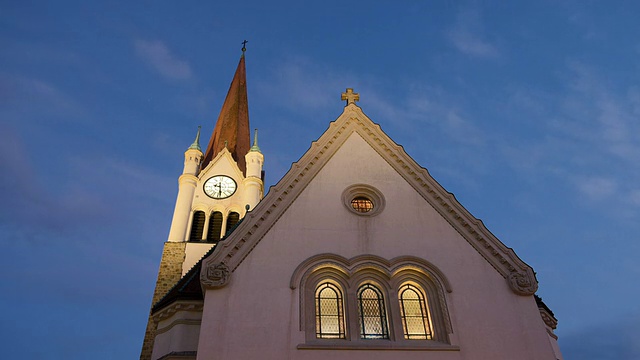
{"x":232,"y":251}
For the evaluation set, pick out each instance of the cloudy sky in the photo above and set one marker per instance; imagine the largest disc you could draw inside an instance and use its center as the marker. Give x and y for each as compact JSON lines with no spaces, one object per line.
{"x":528,"y":112}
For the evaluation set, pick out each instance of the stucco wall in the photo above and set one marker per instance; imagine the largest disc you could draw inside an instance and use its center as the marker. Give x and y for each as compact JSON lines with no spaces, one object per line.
{"x":177,"y":333}
{"x":257,"y":314}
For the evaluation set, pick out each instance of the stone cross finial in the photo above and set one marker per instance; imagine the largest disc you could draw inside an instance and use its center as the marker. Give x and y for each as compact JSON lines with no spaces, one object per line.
{"x":350,"y":96}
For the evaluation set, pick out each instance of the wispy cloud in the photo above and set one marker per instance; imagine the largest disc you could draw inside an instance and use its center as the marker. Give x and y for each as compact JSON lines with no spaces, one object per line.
{"x":597,"y":188}
{"x":158,"y":55}
{"x":92,"y":198}
{"x":307,"y":85}
{"x":311,"y":87}
{"x":466,"y":36}
{"x":586,"y":134}
{"x":21,"y":95}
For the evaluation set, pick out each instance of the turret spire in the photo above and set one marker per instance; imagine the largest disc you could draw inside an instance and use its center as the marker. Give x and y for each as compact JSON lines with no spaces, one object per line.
{"x":232,"y":127}
{"x":255,"y":142}
{"x":196,"y":142}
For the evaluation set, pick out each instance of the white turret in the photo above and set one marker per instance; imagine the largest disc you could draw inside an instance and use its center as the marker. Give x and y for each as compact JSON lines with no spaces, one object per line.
{"x":186,"y":187}
{"x":254,"y":187}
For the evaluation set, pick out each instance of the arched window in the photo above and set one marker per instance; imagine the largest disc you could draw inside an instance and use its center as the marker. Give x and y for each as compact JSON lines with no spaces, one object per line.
{"x":371,"y":313}
{"x":329,"y":312}
{"x":368,"y":302}
{"x":215,"y":226}
{"x":197,"y":226}
{"x":232,"y":220}
{"x":414,"y":313}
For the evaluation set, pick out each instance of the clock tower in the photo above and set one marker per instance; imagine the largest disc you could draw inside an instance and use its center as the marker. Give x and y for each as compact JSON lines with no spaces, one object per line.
{"x":216,"y":189}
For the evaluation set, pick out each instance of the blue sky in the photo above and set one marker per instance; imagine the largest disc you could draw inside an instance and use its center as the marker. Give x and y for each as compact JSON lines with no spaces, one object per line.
{"x":528,"y":112}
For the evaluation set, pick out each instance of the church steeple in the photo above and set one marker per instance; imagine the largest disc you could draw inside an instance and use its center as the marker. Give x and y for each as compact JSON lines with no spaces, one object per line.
{"x":232,"y":127}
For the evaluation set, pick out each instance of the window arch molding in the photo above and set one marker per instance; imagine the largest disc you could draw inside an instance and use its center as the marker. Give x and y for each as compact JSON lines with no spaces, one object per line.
{"x":388,"y":276}
{"x":331,"y":274}
{"x":436,"y":300}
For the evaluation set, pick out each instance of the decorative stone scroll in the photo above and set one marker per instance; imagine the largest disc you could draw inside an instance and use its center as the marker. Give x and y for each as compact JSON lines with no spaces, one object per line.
{"x":522,"y":284}
{"x":215,"y":275}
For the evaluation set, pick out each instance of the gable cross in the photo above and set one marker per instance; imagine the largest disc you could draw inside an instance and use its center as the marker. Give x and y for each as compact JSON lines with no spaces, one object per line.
{"x":350,"y":96}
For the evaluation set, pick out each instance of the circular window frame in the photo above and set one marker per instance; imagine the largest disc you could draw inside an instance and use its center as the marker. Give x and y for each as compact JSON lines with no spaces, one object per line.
{"x":366,"y":191}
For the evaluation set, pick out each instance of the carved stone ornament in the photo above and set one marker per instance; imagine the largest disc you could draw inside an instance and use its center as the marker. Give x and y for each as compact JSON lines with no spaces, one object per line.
{"x":522,"y":284}
{"x":215,"y":275}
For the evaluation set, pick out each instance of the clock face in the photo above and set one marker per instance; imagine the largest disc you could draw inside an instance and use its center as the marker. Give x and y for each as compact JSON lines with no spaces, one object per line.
{"x":220,"y":187}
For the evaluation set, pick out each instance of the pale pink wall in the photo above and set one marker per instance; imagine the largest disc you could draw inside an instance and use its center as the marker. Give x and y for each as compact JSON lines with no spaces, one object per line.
{"x":489,"y":321}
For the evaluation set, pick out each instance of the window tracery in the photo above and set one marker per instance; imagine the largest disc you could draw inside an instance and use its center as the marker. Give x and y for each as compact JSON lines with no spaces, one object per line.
{"x":329,"y":312}
{"x":414,"y":313}
{"x":371,"y":313}
{"x":368,"y":302}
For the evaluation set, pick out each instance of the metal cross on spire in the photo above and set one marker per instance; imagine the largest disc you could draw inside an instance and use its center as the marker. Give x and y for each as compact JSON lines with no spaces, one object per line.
{"x":350,"y":96}
{"x":244,"y":46}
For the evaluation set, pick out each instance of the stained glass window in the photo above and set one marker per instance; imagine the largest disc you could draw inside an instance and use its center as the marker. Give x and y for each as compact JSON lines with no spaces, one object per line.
{"x":413,"y":310}
{"x":329,"y":312}
{"x":371,"y":313}
{"x":362,"y":204}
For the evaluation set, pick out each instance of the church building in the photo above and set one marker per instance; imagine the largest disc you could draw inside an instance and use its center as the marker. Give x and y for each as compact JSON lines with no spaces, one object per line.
{"x":356,"y":253}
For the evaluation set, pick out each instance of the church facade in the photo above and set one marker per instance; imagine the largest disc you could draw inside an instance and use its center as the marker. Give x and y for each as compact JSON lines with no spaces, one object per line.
{"x":357,"y":252}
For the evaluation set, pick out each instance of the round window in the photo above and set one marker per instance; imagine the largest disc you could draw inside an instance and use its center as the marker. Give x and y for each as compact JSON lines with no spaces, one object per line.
{"x":363,"y":200}
{"x":362,"y":204}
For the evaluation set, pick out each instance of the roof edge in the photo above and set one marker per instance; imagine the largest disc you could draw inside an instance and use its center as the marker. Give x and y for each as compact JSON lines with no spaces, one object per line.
{"x":519,"y":275}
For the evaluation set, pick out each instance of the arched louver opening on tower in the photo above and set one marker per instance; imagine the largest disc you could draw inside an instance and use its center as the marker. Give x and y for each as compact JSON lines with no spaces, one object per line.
{"x":197,"y":226}
{"x":215,"y":226}
{"x":232,"y":220}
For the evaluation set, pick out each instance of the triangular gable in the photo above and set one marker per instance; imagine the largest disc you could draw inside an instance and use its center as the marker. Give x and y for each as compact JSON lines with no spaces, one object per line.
{"x":223,"y":154}
{"x":231,"y":252}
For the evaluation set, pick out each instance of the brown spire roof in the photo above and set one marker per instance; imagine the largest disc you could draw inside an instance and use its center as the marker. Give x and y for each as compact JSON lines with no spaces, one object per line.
{"x":232,"y":128}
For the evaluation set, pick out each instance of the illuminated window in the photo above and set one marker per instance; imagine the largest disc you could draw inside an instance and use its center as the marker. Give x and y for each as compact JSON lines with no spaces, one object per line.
{"x":371,"y":312}
{"x":362,"y":204}
{"x":329,"y":312}
{"x":414,"y":313}
{"x":363,"y":200}
{"x":368,"y":302}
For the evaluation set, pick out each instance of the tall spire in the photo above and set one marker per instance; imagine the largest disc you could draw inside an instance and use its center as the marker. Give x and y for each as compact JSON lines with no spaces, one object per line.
{"x":232,"y":127}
